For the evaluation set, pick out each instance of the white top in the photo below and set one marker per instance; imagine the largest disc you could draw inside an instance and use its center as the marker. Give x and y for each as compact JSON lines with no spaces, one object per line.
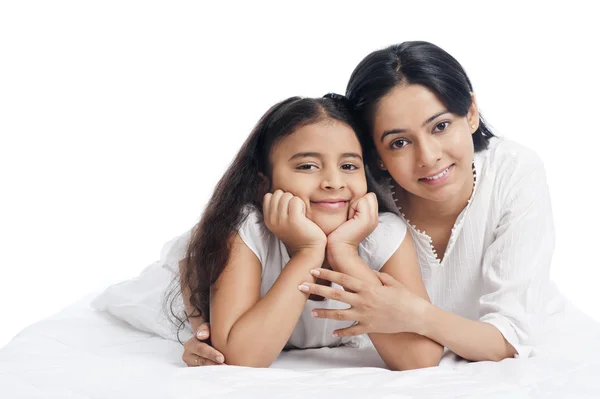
{"x":311,"y":332}
{"x":497,"y":262}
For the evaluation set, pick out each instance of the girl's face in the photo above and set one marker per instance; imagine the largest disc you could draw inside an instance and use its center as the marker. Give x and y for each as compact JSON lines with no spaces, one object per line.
{"x":426,"y":149}
{"x":322,"y":164}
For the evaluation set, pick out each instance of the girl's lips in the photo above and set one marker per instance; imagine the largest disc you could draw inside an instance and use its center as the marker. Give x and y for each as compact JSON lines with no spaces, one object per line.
{"x":330,"y":204}
{"x":441,"y":179}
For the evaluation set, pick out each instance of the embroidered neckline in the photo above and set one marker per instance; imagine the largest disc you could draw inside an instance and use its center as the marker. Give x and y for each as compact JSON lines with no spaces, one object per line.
{"x":455,"y":227}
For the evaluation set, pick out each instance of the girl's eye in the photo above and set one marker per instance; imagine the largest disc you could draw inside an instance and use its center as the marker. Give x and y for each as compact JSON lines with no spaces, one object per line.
{"x":349,"y":166}
{"x":398,"y":143}
{"x":441,"y":126}
{"x":306,"y":167}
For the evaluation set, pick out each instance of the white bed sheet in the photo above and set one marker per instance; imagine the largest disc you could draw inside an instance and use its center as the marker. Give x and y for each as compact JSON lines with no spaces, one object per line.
{"x":83,"y":353}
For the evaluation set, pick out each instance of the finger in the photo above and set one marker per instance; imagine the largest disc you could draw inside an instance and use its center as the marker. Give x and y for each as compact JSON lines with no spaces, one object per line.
{"x":363,"y":206}
{"x":352,"y":331}
{"x":352,"y":210}
{"x":335,"y":314}
{"x":283,"y":206}
{"x":328,"y":292}
{"x":273,"y":211}
{"x":297,"y":207}
{"x":386,"y":279}
{"x":203,"y":332}
{"x":348,"y":282}
{"x":190,"y":360}
{"x":208,"y":352}
{"x":373,"y":204}
{"x":266,"y":207}
{"x":355,"y":205}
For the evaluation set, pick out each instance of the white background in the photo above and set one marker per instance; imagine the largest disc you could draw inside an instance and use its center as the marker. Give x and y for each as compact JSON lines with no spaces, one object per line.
{"x":117,"y":118}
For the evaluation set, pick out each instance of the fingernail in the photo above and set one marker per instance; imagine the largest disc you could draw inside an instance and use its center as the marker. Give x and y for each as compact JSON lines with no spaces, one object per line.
{"x":202,"y":334}
{"x":220,"y":359}
{"x":303,"y":287}
{"x":335,"y":334}
{"x":314,"y":314}
{"x":315,"y":272}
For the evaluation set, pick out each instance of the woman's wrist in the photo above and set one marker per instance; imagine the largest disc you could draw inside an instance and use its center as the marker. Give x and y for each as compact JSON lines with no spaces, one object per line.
{"x":425,"y":316}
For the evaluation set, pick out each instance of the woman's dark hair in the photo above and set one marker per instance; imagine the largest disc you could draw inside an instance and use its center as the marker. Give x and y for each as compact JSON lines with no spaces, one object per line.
{"x":244,"y":183}
{"x":410,"y":63}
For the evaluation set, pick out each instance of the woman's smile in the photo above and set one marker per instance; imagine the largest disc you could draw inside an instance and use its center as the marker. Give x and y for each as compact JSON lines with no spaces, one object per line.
{"x":438,"y":178}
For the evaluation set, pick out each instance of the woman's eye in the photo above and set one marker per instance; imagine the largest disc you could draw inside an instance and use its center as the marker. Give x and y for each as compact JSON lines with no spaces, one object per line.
{"x":441,"y":126}
{"x":398,"y":143}
{"x":349,"y":166}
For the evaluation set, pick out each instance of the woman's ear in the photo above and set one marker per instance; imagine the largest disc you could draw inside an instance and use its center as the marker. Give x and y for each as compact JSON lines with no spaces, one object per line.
{"x":473,"y":115}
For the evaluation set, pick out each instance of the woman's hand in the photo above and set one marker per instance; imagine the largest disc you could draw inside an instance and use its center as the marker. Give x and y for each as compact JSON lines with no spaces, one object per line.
{"x":387,"y":308}
{"x":285,"y":216}
{"x":363,"y":218}
{"x":197,"y":353}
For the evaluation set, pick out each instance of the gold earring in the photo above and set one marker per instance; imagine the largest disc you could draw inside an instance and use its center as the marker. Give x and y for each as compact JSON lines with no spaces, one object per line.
{"x":381,"y":165}
{"x":472,"y":126}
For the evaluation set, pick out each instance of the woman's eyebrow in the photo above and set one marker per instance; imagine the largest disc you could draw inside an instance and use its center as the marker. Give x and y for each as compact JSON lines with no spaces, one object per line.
{"x":396,"y":131}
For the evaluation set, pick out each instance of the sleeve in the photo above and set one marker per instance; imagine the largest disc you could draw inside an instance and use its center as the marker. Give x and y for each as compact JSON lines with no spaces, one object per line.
{"x":253,"y":232}
{"x":516,"y":266}
{"x":384,"y":241}
{"x":174,"y":251}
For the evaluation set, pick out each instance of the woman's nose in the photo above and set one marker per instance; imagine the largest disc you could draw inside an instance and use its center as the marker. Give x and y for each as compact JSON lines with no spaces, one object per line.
{"x":429,"y":153}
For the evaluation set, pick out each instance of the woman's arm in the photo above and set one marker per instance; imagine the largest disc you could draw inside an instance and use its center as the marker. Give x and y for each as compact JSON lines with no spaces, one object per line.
{"x":472,"y":340}
{"x":515,"y":274}
{"x":247,"y":329}
{"x":400,"y":351}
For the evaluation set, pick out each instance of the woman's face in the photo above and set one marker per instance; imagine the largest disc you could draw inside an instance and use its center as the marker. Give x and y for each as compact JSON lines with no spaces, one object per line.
{"x":426,"y":149}
{"x":322,"y":164}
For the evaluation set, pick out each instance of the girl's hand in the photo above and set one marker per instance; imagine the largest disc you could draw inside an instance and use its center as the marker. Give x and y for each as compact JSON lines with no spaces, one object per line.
{"x":363,"y":218}
{"x":387,"y":308}
{"x":285,"y":216}
{"x":197,"y":353}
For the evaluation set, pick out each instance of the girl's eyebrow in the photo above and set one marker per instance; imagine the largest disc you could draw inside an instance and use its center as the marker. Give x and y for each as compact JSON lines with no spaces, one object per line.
{"x":351,"y":155}
{"x":319,"y":155}
{"x":305,"y":155}
{"x":429,"y":120}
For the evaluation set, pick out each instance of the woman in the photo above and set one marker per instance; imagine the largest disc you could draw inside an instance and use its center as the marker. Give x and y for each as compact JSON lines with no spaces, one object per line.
{"x":477,"y":206}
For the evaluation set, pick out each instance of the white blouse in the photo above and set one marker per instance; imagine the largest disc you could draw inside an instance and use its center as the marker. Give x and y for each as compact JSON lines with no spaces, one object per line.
{"x":497,"y":263}
{"x":311,"y":332}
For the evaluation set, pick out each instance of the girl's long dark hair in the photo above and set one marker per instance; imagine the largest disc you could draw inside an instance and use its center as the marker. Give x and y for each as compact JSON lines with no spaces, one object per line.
{"x":415,"y":62}
{"x":244,"y":183}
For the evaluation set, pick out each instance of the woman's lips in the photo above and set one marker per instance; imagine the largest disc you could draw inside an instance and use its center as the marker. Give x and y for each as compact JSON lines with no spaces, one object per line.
{"x":438,"y":178}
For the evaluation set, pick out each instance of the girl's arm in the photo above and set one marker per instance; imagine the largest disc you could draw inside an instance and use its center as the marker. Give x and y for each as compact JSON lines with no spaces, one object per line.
{"x":400,"y":351}
{"x":247,"y":329}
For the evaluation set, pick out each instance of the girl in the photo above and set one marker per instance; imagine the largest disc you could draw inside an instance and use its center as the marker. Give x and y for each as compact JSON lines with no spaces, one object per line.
{"x":294,"y":200}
